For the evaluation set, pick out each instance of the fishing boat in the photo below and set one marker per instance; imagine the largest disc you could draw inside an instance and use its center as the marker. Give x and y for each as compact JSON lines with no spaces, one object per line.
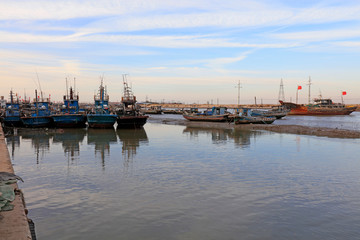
{"x":101,"y":116}
{"x":245,"y":117}
{"x":320,"y":106}
{"x":69,"y":116}
{"x":277,"y":111}
{"x":173,"y":111}
{"x":12,"y":115}
{"x":215,"y":114}
{"x":38,"y":115}
{"x":153,"y":110}
{"x":128,"y":113}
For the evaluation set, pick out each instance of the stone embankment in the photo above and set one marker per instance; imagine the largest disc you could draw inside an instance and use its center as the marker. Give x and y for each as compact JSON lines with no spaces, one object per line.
{"x":14,"y":224}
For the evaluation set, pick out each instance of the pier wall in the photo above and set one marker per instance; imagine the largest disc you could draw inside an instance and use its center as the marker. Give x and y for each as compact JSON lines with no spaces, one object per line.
{"x":13,"y":224}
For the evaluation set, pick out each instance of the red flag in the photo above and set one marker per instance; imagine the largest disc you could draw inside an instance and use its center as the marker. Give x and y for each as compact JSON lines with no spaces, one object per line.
{"x":299,"y":87}
{"x":344,"y":93}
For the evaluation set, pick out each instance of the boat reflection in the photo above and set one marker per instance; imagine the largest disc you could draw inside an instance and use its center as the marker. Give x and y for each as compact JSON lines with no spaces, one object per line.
{"x":40,"y":141}
{"x":131,"y":139}
{"x":70,"y":140}
{"x":241,"y":137}
{"x":13,"y":142}
{"x":101,"y":138}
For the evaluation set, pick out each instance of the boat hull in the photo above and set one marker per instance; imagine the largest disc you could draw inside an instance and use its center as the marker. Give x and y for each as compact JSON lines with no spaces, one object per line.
{"x":131,"y":121}
{"x":101,"y":120}
{"x":69,"y":120}
{"x":206,"y":118}
{"x":303,"y":110}
{"x":332,"y":110}
{"x":277,"y":115}
{"x":254,"y":120}
{"x":12,"y":121}
{"x":37,"y":122}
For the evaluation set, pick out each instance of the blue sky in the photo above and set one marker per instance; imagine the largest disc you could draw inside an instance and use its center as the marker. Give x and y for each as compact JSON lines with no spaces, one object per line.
{"x":188,"y":51}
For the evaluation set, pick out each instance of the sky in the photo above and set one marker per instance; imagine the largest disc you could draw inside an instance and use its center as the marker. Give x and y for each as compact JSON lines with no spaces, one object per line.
{"x":182,"y":51}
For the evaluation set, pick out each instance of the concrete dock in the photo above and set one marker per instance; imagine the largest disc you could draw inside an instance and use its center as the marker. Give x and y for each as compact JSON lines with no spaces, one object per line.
{"x":13,"y":224}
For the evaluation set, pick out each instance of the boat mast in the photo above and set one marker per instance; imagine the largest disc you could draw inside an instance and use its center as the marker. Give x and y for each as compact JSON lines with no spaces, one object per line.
{"x":36,"y":102}
{"x":67,"y":87}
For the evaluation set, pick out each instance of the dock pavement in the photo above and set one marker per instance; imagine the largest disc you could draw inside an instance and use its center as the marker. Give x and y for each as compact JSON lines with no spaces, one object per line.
{"x":14,"y":224}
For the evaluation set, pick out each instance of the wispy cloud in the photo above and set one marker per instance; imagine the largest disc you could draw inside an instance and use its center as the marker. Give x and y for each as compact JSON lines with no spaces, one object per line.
{"x":185,"y":41}
{"x":196,"y":41}
{"x":348,"y":44}
{"x":319,"y":35}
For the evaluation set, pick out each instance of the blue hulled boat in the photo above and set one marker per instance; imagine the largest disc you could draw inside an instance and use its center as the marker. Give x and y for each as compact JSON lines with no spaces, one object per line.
{"x":101,"y":116}
{"x":12,"y":112}
{"x":215,"y":114}
{"x":38,"y":115}
{"x":69,"y":116}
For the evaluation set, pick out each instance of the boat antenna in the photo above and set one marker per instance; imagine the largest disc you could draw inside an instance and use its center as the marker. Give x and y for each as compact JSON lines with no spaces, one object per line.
{"x":25,"y":94}
{"x":309,"y":89}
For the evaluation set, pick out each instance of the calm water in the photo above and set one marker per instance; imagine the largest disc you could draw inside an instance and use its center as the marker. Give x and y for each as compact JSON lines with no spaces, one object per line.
{"x":174,"y":182}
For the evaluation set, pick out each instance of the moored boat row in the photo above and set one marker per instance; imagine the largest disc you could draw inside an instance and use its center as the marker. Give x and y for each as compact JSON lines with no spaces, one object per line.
{"x":39,"y":113}
{"x":243,"y":116}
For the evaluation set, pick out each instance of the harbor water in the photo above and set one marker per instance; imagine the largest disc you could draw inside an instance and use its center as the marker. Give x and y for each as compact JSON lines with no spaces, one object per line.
{"x":177,"y":182}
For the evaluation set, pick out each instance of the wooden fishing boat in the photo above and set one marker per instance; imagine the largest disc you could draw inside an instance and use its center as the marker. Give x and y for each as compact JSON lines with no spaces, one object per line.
{"x":153,"y":110}
{"x":321,"y":106}
{"x":128,"y":113}
{"x":173,"y":111}
{"x":278,"y":112}
{"x":215,"y":114}
{"x":101,"y":116}
{"x":69,"y":116}
{"x":245,"y":116}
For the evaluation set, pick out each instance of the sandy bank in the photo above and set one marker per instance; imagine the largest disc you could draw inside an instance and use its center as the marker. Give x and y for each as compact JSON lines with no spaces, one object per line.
{"x":291,"y":129}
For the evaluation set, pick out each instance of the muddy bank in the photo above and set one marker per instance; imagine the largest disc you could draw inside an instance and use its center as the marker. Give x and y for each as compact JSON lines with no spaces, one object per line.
{"x":292,"y":129}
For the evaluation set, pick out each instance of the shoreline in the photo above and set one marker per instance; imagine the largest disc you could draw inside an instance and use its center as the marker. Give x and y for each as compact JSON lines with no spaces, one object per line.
{"x":289,"y":129}
{"x":14,"y":224}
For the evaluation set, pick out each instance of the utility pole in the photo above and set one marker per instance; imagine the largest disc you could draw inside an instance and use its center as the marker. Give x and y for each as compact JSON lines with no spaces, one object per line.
{"x":309,"y":89}
{"x":281,"y":91}
{"x":239,"y":86}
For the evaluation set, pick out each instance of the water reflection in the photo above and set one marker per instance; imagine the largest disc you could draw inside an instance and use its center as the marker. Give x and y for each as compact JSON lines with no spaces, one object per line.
{"x":131,"y":140}
{"x":13,"y":142}
{"x":70,"y":140}
{"x":40,"y":142}
{"x":101,"y":138}
{"x":240,"y":137}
